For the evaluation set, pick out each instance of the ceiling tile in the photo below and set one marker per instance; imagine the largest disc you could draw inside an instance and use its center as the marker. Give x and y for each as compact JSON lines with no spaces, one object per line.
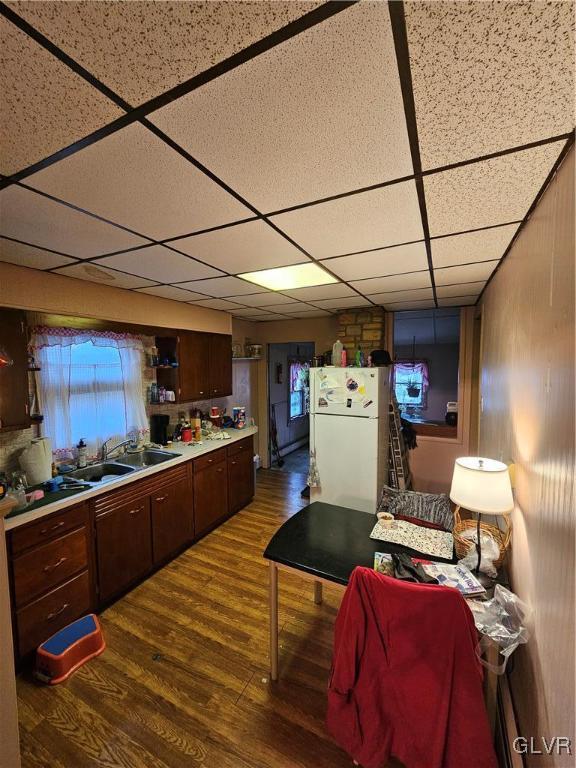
{"x":133,"y":178}
{"x":141,"y":49}
{"x":309,"y":313}
{"x":268,"y":318}
{"x":384,"y":216}
{"x":489,"y":76}
{"x":159,"y":263}
{"x":460,"y":289}
{"x":222,"y":287}
{"x":264,"y":299}
{"x":459,"y":301}
{"x":172,"y":292}
{"x":286,"y":309}
{"x":332,"y":291}
{"x":228,"y":306}
{"x":405,"y":282}
{"x":243,"y":248}
{"x":29,"y":256}
{"x":45,"y":106}
{"x":248,"y":312}
{"x":347,"y":303}
{"x":386,"y":261}
{"x":491,"y":192}
{"x":28,"y":216}
{"x":470,"y":273}
{"x":485,"y":245}
{"x":95,"y":273}
{"x":305,"y":120}
{"x":296,"y":308}
{"x":419,"y":294}
{"x":406,"y":305}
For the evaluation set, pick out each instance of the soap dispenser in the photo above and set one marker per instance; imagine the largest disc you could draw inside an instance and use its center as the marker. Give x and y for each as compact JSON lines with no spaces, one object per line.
{"x":82,"y":453}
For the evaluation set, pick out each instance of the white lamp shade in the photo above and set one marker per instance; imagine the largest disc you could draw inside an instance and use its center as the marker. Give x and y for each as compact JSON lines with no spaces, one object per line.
{"x":482,"y":485}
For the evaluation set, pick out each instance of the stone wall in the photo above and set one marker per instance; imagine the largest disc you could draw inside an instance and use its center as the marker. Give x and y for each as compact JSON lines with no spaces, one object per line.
{"x":362,"y":328}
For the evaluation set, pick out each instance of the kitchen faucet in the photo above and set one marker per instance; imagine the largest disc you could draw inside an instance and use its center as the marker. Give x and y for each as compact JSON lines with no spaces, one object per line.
{"x":104,"y":452}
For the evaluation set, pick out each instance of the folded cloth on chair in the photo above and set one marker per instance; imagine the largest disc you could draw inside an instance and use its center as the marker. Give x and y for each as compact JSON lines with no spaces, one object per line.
{"x":432,"y":507}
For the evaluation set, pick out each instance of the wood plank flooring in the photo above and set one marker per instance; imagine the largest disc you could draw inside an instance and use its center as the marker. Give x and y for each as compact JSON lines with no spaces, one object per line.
{"x":184,"y":679}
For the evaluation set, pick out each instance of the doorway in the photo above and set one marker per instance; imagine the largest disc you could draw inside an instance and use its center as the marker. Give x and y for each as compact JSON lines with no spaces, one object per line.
{"x":289,"y":396}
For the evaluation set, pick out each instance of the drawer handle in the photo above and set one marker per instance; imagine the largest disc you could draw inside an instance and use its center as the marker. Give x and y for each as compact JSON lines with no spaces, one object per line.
{"x":50,"y":568}
{"x":220,"y":469}
{"x":58,"y":612}
{"x":53,"y":527}
{"x":160,"y":498}
{"x":201,"y":393}
{"x":135,"y":511}
{"x":210,"y":461}
{"x":233,"y":463}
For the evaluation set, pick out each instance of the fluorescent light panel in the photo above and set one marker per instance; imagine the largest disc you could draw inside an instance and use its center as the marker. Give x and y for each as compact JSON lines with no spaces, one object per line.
{"x":289,"y":278}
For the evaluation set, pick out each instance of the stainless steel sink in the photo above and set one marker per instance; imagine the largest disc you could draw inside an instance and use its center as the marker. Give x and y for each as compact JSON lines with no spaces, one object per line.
{"x":101,"y":472}
{"x":147,"y":458}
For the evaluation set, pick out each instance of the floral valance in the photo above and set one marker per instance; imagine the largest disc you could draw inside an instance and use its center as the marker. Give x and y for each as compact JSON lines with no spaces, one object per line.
{"x":44,"y":336}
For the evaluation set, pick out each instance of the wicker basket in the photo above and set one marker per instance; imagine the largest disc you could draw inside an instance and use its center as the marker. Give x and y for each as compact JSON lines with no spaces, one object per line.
{"x":463,"y":546}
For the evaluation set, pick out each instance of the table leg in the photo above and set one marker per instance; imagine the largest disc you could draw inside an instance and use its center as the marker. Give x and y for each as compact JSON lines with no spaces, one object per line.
{"x":273,"y":597}
{"x":318,"y":592}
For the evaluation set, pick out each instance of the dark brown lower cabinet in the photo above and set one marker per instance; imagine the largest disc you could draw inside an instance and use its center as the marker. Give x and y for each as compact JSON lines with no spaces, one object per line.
{"x":60,"y":570}
{"x":240,"y":474}
{"x":124,"y":547}
{"x":172,"y":519}
{"x":210,"y":490}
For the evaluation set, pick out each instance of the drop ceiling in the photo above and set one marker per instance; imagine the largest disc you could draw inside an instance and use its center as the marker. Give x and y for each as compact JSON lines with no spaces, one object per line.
{"x":168,"y":147}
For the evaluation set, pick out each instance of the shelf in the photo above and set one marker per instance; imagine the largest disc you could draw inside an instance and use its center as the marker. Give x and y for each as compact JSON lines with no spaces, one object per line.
{"x":246,"y":358}
{"x":35,"y":368}
{"x":163,"y":367}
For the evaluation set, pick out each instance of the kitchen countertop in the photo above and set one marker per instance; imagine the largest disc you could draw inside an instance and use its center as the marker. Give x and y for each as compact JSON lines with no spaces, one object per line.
{"x":182,"y":452}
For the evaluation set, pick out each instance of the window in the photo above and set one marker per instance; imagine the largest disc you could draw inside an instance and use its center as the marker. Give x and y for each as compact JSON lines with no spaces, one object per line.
{"x":411,"y":383}
{"x":90,"y":386}
{"x":299,"y":389}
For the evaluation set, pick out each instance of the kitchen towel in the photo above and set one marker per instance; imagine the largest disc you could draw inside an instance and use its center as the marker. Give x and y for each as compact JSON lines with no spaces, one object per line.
{"x":36,"y":461}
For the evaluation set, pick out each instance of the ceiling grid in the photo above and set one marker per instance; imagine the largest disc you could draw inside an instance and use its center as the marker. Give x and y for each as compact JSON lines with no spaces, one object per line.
{"x":170,"y":197}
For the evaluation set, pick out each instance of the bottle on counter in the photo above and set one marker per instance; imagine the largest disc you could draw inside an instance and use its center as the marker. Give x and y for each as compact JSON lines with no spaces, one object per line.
{"x":343,"y":359}
{"x":154,"y":398}
{"x":196,"y":424}
{"x":337,"y":350}
{"x":82,"y":453}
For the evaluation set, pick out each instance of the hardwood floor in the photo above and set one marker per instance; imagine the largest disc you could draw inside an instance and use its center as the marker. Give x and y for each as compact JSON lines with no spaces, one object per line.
{"x":184,"y":679}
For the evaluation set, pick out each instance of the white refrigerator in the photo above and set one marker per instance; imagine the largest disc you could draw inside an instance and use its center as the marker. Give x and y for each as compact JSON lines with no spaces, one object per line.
{"x":349,"y":435}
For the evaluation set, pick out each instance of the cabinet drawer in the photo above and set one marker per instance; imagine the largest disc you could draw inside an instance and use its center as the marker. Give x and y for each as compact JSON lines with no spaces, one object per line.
{"x":214,"y":457}
{"x":47,"y":528}
{"x":242,"y":446}
{"x":42,"y":568}
{"x":45,"y":616}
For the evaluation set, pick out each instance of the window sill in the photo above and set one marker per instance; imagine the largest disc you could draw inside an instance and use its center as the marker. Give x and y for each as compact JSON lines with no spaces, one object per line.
{"x":434,"y":430}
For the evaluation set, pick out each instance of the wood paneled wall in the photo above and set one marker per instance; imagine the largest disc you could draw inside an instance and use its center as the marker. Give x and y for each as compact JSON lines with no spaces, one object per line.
{"x":527,"y":417}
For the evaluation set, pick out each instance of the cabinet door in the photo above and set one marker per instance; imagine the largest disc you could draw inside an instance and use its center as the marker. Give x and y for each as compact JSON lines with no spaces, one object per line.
{"x":172,"y":512}
{"x":210,"y":496}
{"x":124,"y":545}
{"x":193,"y":354}
{"x":220,"y":380}
{"x":240,"y":477}
{"x":14,"y":408}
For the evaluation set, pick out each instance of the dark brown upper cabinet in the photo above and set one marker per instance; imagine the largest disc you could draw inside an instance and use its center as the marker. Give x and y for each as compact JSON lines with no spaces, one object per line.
{"x":14,"y":404}
{"x":204,"y":368}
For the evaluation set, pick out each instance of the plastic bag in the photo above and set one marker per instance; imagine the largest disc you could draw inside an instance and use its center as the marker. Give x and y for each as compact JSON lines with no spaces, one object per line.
{"x":490,"y":553}
{"x":501,"y":620}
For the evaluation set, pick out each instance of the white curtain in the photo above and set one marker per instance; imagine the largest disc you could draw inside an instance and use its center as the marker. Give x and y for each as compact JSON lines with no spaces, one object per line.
{"x":90,"y":386}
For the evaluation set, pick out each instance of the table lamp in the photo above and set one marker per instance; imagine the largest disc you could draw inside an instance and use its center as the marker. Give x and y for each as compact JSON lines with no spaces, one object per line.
{"x":482,"y":486}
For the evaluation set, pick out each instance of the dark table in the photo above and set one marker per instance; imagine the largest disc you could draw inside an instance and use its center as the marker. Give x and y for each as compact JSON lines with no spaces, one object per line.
{"x":324,"y":543}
